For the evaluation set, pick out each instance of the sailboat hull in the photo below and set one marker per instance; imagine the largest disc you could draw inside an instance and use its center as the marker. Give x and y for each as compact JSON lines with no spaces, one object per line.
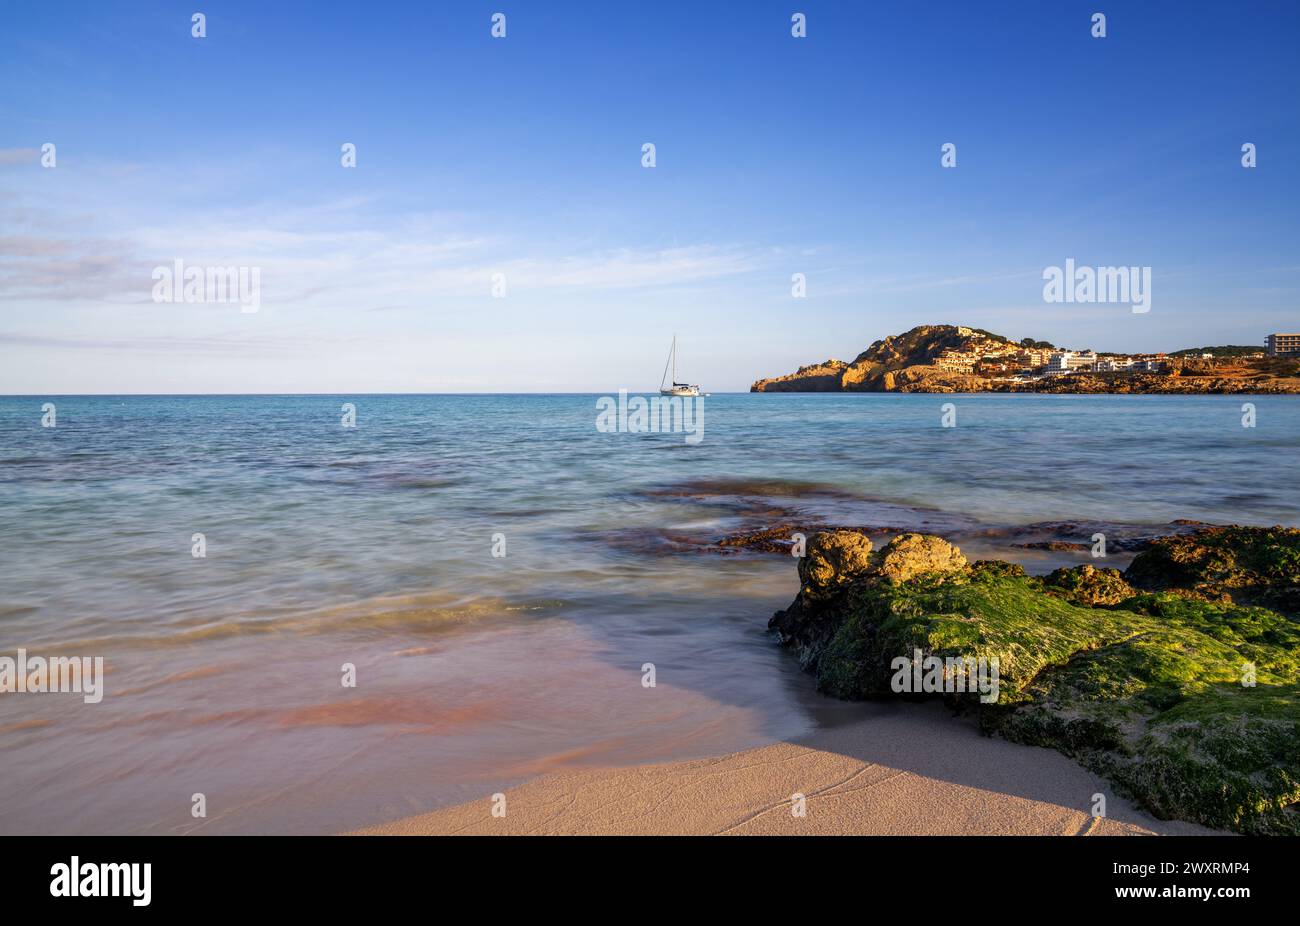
{"x":682,"y":390}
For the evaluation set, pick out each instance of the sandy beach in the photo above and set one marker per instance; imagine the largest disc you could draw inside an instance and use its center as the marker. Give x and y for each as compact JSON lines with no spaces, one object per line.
{"x":899,"y":769}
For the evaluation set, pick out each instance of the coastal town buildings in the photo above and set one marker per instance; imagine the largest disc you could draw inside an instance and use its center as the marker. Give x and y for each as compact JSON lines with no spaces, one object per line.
{"x":992,"y":365}
{"x":957,"y":361}
{"x":997,"y":359}
{"x":1113,"y":364}
{"x":1031,"y":358}
{"x":1060,"y":362}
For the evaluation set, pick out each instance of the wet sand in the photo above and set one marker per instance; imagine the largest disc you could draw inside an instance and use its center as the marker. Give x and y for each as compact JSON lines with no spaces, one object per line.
{"x":899,"y":769}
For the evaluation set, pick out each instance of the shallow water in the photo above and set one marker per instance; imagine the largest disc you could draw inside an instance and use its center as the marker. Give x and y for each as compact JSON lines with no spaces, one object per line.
{"x":373,"y":546}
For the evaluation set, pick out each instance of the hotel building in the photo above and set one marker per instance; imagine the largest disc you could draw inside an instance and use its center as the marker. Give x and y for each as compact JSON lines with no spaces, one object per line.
{"x":1283,"y":344}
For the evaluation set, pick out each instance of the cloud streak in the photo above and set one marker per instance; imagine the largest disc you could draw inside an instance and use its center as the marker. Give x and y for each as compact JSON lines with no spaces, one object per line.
{"x":402,"y":259}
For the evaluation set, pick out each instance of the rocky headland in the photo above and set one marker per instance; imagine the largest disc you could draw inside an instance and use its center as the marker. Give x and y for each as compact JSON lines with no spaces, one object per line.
{"x":1177,"y":679}
{"x":950,"y":358}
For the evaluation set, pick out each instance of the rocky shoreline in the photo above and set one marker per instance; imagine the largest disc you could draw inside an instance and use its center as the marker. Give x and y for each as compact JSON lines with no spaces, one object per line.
{"x":755,"y":517}
{"x":1177,"y":679}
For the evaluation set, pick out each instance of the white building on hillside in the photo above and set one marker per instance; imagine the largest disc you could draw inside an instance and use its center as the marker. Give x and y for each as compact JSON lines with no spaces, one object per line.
{"x":1113,"y":364}
{"x":1067,"y":361}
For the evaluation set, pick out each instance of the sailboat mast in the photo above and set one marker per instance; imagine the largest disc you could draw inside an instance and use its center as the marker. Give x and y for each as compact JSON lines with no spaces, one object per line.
{"x":674,"y":360}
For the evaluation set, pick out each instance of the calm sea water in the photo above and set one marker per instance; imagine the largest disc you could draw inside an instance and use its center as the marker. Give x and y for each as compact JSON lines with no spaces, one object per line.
{"x":373,"y":546}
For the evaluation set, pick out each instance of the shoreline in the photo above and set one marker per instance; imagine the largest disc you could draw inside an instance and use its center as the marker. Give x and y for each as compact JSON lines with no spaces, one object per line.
{"x":895,"y":769}
{"x":477,"y":674}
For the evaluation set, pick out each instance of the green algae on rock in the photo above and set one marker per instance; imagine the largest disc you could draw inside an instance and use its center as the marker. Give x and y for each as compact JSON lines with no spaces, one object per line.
{"x":1246,"y":565}
{"x":1191,"y":706}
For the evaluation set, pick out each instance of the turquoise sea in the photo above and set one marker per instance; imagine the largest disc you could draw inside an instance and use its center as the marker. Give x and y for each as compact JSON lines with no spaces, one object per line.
{"x":374,"y":546}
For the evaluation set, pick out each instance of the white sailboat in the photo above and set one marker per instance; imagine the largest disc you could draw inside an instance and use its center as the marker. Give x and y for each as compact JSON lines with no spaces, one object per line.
{"x":680,"y":389}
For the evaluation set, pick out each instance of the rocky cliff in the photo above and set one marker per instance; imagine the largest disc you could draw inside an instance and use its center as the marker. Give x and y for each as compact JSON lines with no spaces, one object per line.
{"x":903,"y":362}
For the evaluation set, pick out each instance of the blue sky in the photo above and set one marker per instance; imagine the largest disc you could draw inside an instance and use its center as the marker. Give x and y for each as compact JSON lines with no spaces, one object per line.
{"x":522,"y":156}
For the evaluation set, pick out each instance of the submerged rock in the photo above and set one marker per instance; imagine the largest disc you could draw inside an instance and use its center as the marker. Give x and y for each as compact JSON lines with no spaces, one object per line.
{"x":1191,"y":706}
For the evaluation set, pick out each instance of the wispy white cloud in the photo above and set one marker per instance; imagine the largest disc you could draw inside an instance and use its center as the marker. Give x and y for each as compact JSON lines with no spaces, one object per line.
{"x":213,"y":344}
{"x":334,"y":253}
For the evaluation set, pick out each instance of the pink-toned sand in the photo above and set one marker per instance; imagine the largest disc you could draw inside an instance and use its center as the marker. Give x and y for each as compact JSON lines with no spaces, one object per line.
{"x":911,"y":770}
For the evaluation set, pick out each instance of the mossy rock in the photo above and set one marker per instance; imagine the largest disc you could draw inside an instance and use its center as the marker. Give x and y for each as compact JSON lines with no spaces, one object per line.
{"x":941,"y":615}
{"x":1245,"y":565}
{"x":1190,"y":706}
{"x":995,"y":569}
